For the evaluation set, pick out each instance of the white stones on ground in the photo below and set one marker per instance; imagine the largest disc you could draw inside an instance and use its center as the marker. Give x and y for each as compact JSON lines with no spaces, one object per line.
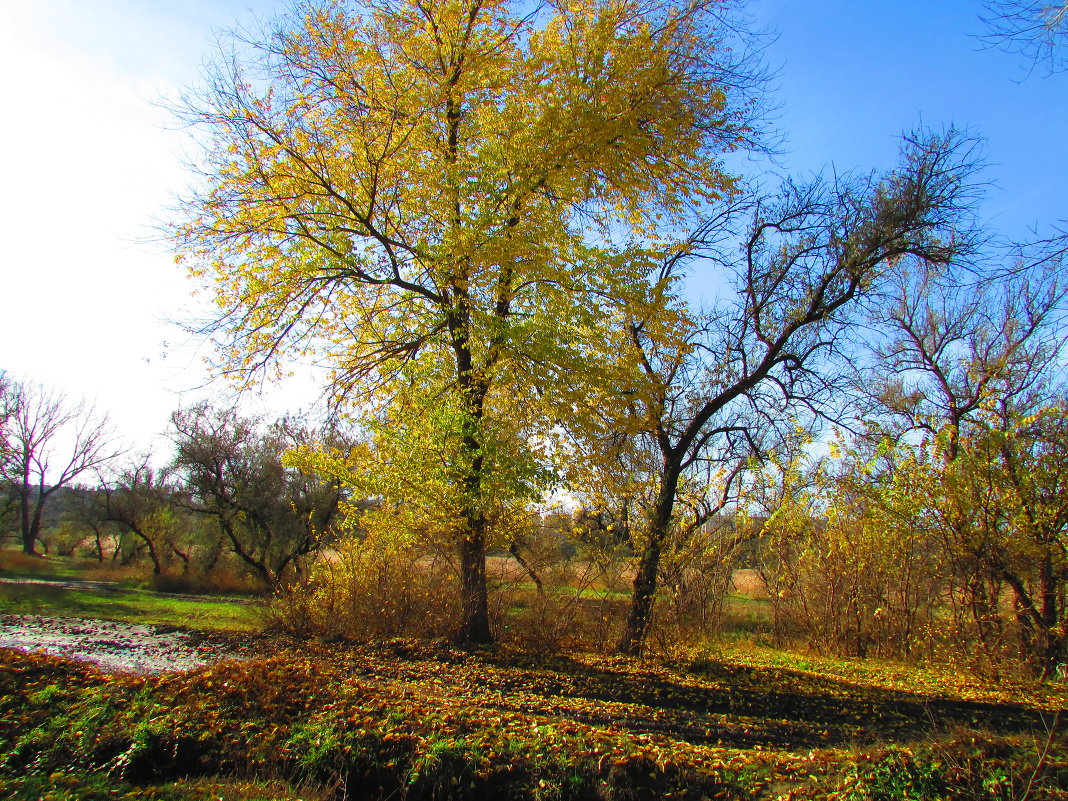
{"x":110,"y":645}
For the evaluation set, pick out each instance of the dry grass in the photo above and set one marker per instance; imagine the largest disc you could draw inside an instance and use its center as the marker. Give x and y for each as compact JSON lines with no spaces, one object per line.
{"x":749,"y":583}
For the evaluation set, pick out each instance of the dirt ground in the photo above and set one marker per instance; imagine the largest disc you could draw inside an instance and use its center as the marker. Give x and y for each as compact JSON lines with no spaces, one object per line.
{"x":111,"y":645}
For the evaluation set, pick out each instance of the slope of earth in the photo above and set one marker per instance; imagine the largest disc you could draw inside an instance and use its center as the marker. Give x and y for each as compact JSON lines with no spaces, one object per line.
{"x":417,"y":720}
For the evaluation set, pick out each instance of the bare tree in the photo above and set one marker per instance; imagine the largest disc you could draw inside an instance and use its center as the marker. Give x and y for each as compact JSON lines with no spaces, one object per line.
{"x":50,"y":442}
{"x":1036,"y":29}
{"x":807,"y":262}
{"x":976,"y":367}
{"x":954,"y":341}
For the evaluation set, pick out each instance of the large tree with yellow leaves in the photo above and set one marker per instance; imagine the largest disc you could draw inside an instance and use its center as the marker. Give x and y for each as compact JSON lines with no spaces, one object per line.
{"x":424,"y":193}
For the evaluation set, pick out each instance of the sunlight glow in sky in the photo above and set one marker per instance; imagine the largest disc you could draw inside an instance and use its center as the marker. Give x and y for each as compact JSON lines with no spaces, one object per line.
{"x":89,"y":162}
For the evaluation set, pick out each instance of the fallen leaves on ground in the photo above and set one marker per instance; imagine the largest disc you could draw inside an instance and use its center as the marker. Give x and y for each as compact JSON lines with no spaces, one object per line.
{"x":427,"y":720}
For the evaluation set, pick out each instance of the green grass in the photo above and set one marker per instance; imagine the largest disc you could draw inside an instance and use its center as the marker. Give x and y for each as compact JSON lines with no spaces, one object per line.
{"x":124,"y":599}
{"x":130,"y":605}
{"x":746,"y":616}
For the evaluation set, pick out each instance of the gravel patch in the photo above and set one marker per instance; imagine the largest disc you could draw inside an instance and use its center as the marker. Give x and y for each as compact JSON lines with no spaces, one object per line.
{"x":112,"y":645}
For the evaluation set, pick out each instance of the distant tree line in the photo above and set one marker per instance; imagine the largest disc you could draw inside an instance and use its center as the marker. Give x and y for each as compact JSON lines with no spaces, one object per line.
{"x":226,"y":493}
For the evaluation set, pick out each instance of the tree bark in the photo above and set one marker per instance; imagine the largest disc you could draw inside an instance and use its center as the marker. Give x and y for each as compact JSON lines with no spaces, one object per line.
{"x":31,"y":521}
{"x":474,"y":623}
{"x":29,"y":536}
{"x":513,"y":549}
{"x":29,"y":514}
{"x":645,"y":580}
{"x":474,"y":626}
{"x":474,"y":611}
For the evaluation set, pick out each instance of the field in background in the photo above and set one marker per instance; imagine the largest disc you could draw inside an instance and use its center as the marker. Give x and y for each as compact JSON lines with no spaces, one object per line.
{"x":67,"y":587}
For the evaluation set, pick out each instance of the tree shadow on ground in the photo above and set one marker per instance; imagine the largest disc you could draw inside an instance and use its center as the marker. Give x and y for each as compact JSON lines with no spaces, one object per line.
{"x":720,"y":703}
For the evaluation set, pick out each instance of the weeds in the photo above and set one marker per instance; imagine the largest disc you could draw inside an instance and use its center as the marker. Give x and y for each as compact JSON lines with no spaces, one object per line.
{"x":893,"y":776}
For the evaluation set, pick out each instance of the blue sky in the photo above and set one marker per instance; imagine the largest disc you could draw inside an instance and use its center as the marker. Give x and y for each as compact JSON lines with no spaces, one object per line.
{"x":853,"y":76}
{"x":90,"y":162}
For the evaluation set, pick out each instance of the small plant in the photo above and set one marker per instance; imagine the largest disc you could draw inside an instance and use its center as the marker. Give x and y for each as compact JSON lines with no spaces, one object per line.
{"x":370,"y":589}
{"x":446,"y":770}
{"x":894,"y":776}
{"x":327,"y":750}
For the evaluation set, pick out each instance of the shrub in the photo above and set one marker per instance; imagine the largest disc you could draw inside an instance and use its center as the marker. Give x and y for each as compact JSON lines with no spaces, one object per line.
{"x":370,"y":588}
{"x":219,"y":581}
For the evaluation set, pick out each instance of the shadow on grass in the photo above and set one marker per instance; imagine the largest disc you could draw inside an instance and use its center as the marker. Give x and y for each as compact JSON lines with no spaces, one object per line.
{"x":736,"y":706}
{"x":404,"y":712}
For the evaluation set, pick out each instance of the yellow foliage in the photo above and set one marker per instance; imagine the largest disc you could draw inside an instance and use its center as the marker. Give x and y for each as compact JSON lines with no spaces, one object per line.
{"x":426,"y":199}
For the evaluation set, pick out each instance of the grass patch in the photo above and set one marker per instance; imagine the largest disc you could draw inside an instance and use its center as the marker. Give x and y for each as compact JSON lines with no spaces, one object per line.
{"x":936,"y":680}
{"x":130,"y":605}
{"x":566,"y":591}
{"x":746,"y":615}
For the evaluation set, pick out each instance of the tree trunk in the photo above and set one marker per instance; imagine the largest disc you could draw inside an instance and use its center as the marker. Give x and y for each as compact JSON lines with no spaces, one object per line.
{"x":513,"y":549}
{"x":27,"y":518}
{"x":157,"y":568}
{"x":1053,"y":643}
{"x":474,"y":609}
{"x":645,"y":580}
{"x":641,"y":602}
{"x":474,"y":622}
{"x":33,"y":535}
{"x":235,"y":545}
{"x":183,"y":556}
{"x":474,"y":595}
{"x":213,"y":555}
{"x":1040,"y":630}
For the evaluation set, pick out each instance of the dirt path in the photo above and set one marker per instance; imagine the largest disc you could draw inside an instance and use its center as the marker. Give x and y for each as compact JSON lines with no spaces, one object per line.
{"x":113,"y":646}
